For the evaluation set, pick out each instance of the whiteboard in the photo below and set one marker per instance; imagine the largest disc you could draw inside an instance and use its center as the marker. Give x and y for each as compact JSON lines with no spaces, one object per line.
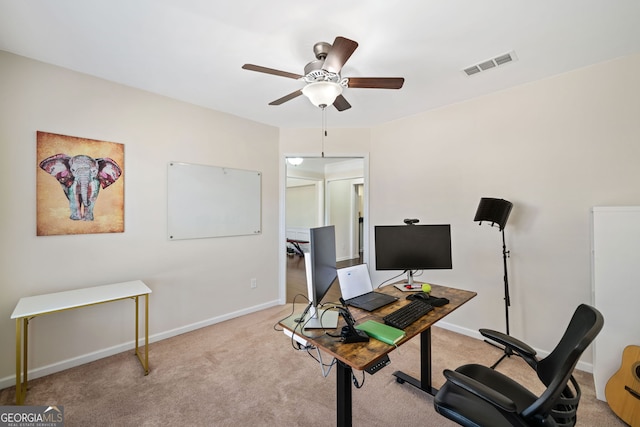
{"x":212,"y":201}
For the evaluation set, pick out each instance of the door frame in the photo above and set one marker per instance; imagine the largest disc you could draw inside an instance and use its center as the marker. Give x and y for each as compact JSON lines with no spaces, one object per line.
{"x":353,"y":251}
{"x":282,"y":257}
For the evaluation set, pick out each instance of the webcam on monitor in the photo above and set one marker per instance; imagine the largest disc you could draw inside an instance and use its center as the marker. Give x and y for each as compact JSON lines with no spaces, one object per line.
{"x":411,"y":221}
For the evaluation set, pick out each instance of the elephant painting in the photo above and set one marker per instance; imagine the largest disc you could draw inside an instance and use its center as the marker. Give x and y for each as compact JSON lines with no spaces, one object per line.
{"x":81,"y":178}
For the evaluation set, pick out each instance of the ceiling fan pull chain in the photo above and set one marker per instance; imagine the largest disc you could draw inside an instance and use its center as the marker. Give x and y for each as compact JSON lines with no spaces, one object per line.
{"x":324,"y":127}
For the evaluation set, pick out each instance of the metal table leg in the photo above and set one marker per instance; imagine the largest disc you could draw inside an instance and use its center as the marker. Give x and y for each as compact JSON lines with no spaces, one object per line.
{"x":344,"y":374}
{"x":424,"y":383}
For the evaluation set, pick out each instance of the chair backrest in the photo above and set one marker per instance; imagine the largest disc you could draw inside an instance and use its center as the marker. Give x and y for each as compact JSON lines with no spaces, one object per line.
{"x":555,"y":370}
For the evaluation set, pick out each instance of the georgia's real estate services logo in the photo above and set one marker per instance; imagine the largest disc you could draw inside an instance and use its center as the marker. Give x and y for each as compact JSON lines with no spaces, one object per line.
{"x":31,"y":416}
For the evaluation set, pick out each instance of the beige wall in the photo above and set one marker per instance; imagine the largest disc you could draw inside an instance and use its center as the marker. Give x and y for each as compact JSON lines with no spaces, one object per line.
{"x":194,"y":282}
{"x":554,"y":148}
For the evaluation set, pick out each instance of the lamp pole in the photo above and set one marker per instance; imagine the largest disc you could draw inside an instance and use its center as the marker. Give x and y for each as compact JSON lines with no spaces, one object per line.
{"x":497,"y":211}
{"x":507,"y":302}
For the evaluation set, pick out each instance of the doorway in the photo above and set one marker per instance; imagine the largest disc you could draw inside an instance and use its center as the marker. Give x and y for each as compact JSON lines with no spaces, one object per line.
{"x":324,"y":191}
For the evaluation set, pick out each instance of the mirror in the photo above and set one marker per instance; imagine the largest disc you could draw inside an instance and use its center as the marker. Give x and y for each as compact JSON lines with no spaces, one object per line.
{"x":325,"y":191}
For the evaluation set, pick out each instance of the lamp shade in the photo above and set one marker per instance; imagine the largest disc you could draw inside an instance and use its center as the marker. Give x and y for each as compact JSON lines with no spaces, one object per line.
{"x":322,"y":94}
{"x":495,"y":210}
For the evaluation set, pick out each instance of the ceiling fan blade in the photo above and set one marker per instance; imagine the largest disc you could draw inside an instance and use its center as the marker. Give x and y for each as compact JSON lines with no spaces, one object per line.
{"x":376,"y":82}
{"x":266,"y":70}
{"x":340,"y":52}
{"x":286,"y":98}
{"x":341,"y":103}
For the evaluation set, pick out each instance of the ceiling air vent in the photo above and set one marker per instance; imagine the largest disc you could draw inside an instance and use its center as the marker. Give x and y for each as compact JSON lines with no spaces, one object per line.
{"x":491,"y":63}
{"x":472,"y":70}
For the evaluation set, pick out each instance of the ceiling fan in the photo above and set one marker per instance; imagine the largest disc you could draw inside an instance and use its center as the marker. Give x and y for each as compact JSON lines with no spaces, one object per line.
{"x":324,"y":84}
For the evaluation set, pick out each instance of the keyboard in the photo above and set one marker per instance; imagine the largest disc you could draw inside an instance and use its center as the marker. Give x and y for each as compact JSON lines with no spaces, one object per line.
{"x":407,"y":314}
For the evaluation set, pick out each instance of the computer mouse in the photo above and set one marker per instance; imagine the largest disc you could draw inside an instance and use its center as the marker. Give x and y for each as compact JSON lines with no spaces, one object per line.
{"x":422,"y":296}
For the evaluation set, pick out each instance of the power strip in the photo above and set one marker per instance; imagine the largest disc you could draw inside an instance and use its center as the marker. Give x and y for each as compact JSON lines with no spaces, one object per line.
{"x":296,"y":337}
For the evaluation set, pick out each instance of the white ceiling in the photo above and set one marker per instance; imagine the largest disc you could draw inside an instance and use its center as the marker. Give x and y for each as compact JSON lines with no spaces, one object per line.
{"x":193,"y":50}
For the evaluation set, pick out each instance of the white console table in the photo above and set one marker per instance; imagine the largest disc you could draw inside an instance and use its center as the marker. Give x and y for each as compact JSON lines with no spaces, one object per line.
{"x":30,"y":307}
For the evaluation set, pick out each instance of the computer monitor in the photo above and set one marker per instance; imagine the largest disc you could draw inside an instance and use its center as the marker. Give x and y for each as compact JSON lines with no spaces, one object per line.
{"x":413,"y":247}
{"x":320,"y":265}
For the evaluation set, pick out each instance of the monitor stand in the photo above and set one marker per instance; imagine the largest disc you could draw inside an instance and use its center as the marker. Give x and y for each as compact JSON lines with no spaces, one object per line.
{"x":410,"y":277}
{"x":320,"y":319}
{"x":316,"y":318}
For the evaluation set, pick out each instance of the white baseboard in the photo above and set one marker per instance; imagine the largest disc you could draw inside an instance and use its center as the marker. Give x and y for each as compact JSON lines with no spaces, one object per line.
{"x":96,"y":355}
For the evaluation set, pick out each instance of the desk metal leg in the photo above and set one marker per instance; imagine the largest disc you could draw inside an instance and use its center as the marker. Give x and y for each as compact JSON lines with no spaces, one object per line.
{"x":298,"y":248}
{"x":343,"y":375}
{"x":22,"y":348}
{"x":18,"y":361}
{"x":137,"y":325}
{"x":144,"y":361}
{"x":22,"y":337}
{"x":146,"y":334}
{"x":424,"y":383}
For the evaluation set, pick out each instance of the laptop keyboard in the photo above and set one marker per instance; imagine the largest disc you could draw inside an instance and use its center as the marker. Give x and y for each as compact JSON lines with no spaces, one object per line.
{"x":371,"y":301}
{"x":407,"y":314}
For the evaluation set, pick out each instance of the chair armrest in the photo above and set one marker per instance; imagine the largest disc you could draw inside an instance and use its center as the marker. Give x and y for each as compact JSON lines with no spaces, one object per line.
{"x":509,"y":341}
{"x":496,"y":399}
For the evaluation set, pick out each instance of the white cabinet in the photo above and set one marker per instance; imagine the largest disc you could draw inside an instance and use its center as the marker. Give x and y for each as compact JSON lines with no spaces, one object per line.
{"x":616,"y":287}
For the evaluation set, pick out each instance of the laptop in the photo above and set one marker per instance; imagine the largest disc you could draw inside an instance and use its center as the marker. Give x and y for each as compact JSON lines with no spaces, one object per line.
{"x":357,"y":290}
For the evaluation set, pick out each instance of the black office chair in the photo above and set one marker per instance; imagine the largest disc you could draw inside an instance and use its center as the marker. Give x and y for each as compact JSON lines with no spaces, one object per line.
{"x":478,"y":396}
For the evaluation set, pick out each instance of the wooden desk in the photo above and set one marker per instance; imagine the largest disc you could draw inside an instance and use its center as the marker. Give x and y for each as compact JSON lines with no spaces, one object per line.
{"x":360,"y":356}
{"x":30,"y":307}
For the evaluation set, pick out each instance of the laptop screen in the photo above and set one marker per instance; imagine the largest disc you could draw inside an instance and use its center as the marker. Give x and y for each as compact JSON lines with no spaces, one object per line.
{"x":354,"y":281}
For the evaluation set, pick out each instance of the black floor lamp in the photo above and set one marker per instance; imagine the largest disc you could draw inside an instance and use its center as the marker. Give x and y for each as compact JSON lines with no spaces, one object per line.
{"x":497,"y":212}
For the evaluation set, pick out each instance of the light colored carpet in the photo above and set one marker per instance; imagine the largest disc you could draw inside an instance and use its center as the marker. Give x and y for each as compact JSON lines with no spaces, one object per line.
{"x":242,"y":372}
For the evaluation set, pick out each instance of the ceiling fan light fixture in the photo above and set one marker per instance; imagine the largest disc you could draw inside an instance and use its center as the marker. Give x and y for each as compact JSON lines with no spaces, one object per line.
{"x":322,"y":94}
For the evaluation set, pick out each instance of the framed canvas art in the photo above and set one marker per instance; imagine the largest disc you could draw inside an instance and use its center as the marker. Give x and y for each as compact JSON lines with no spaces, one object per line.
{"x":79,"y":185}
